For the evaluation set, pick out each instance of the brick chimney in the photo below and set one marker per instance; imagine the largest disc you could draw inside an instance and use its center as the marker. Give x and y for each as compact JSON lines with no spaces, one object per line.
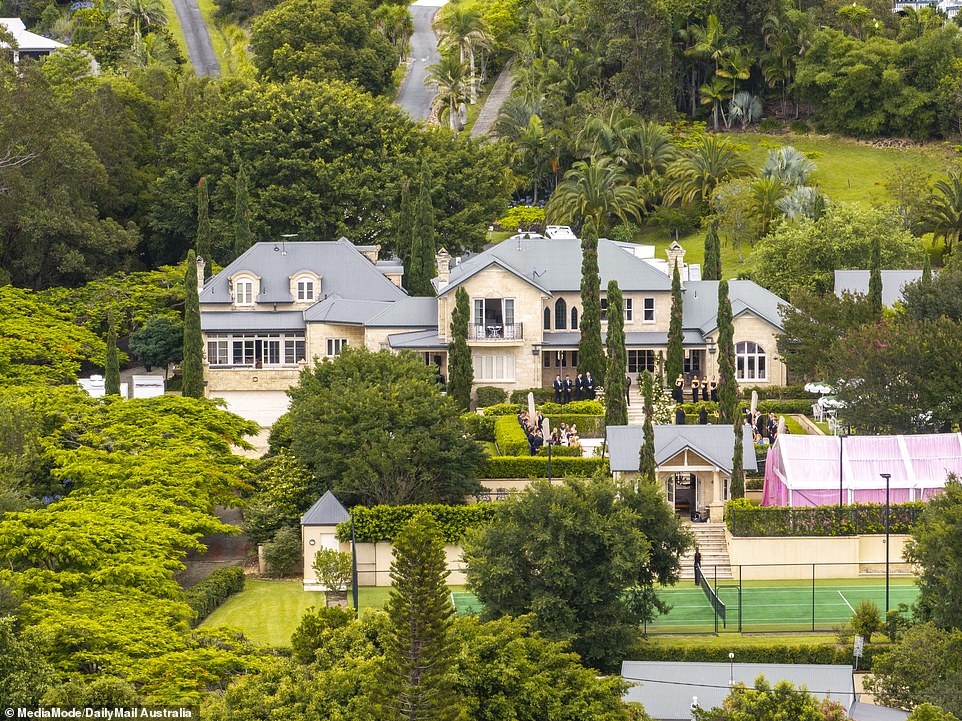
{"x":443,"y":259}
{"x":676,"y":254}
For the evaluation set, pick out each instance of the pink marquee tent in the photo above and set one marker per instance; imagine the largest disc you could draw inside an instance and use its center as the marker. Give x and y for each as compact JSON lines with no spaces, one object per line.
{"x":806,"y":470}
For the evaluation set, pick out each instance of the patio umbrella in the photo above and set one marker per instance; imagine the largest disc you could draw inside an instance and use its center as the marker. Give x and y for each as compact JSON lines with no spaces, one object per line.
{"x":818,"y":387}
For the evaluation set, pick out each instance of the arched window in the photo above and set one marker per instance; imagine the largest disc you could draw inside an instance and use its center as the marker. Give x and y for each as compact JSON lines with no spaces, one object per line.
{"x":574,"y":318}
{"x":560,"y":314}
{"x":750,"y":362}
{"x":547,"y":318}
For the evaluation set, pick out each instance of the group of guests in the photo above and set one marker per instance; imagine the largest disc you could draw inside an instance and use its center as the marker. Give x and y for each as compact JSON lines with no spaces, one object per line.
{"x":701,"y":390}
{"x":583,"y":387}
{"x":564,"y":435}
{"x":764,"y":427}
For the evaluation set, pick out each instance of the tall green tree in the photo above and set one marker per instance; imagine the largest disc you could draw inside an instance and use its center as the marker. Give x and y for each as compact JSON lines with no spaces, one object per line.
{"x":591,"y":356}
{"x":202,"y":245}
{"x":193,"y":364}
{"x":712,"y":268}
{"x":405,"y":232}
{"x":416,"y":679}
{"x":728,"y":386}
{"x":243,"y":238}
{"x":112,"y":365}
{"x":460,"y":367}
{"x":594,"y":190}
{"x":616,"y":404}
{"x":422,"y":240}
{"x":875,"y":278}
{"x":646,"y":467}
{"x":675,"y":359}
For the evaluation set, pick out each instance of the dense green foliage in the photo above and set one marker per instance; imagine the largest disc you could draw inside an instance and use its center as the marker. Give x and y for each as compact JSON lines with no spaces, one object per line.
{"x":206,"y":596}
{"x":745,"y":519}
{"x":591,"y":355}
{"x":112,"y":365}
{"x":767,"y":702}
{"x":490,"y":395}
{"x":192,"y":367}
{"x":375,"y":428}
{"x":694,"y":650}
{"x":159,"y":342}
{"x":379,"y":524}
{"x":646,"y":456}
{"x":616,"y":405}
{"x":460,"y":366}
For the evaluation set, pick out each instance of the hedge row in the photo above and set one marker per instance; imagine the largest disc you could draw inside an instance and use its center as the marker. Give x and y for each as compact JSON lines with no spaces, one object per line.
{"x":778,"y":392}
{"x":479,"y":427}
{"x":588,"y":426}
{"x":379,"y":524}
{"x":510,"y":436}
{"x":503,"y":409}
{"x":206,"y":596}
{"x":745,"y":519}
{"x":537,"y":467}
{"x":561,"y":451}
{"x":541,"y":395}
{"x":490,"y":395}
{"x":793,"y":406}
{"x":581,"y":408}
{"x":817,"y":653}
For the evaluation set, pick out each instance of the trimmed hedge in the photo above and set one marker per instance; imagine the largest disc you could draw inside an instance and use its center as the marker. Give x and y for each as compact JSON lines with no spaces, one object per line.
{"x":510,"y":436}
{"x":561,"y":451}
{"x":537,"y":467}
{"x":817,"y":653}
{"x":541,"y":395}
{"x":793,"y":406}
{"x":778,"y":392}
{"x":206,"y":596}
{"x":479,"y":427}
{"x":578,"y":408}
{"x":588,"y":426}
{"x":754,"y":484}
{"x":491,"y":395}
{"x":745,"y":519}
{"x":503,"y":409}
{"x":379,"y":524}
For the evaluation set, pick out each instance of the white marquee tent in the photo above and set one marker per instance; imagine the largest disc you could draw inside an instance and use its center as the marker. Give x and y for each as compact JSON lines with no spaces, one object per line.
{"x":811,"y":470}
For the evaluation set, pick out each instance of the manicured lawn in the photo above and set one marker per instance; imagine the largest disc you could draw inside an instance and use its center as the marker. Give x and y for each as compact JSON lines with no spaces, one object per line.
{"x":269,"y":611}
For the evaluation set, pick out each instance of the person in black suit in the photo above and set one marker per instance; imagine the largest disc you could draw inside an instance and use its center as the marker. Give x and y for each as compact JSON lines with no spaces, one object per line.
{"x":579,"y":387}
{"x":589,"y":386}
{"x":567,"y":389}
{"x":627,"y":390}
{"x":558,"y":387}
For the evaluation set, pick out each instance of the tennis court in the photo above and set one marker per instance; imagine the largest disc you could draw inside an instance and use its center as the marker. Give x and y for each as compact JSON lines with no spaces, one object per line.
{"x":759,"y":606}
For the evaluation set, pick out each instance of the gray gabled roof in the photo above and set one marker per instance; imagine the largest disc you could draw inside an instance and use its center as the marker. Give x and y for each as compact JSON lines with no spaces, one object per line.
{"x":714,"y":443}
{"x":856,"y":281}
{"x":666,"y":689}
{"x":328,"y":511}
{"x":408,"y":312}
{"x":700,"y":303}
{"x":344,"y":271}
{"x":554,"y":265}
{"x":345,"y":310}
{"x":242,"y":321}
{"x":427,"y":339}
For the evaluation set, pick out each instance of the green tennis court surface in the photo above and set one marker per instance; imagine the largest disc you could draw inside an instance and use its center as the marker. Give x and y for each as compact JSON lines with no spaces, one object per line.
{"x":777,"y":607}
{"x":765,"y":605}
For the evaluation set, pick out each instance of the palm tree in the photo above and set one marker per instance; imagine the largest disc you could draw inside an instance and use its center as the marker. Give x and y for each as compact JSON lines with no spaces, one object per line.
{"x":789,"y":165}
{"x":710,"y":41}
{"x":737,"y":66}
{"x":711,"y":161}
{"x":594,"y":190}
{"x":536,"y":152}
{"x":715,"y":92}
{"x":462,"y":27}
{"x":766,"y":192}
{"x":448,"y":74}
{"x":945,"y":210}
{"x":394,"y":22}
{"x":608,"y":134}
{"x":150,"y":13}
{"x":516,"y":113}
{"x":650,"y":149}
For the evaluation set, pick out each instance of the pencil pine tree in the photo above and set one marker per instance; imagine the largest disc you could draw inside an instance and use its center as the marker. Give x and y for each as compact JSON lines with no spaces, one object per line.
{"x":616,"y":405}
{"x":243,"y":238}
{"x":405,"y":231}
{"x":712,"y":266}
{"x":646,"y":467}
{"x":875,"y":278}
{"x":203,"y":242}
{"x":112,"y":365}
{"x":422,"y":241}
{"x":675,"y":360}
{"x":415,"y":680}
{"x":460,"y":366}
{"x":192,"y":384}
{"x":591,"y":356}
{"x":728,"y":386}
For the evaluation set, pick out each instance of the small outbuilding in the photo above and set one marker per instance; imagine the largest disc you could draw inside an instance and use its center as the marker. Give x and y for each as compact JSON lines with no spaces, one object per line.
{"x":816,"y":470}
{"x":319,"y":530}
{"x":26,"y":43}
{"x":693,"y":462}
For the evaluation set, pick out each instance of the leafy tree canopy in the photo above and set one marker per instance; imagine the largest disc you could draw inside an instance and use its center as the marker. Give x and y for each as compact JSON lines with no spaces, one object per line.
{"x":375,"y":428}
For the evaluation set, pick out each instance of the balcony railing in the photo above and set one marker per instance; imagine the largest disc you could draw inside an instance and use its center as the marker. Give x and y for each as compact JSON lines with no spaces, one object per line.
{"x":495,"y":332}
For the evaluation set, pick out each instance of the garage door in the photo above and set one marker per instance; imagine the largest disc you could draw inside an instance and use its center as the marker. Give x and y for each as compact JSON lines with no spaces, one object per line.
{"x":262,"y":407}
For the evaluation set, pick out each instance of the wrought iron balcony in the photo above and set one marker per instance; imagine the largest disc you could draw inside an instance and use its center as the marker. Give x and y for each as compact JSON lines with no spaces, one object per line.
{"x":496,"y":332}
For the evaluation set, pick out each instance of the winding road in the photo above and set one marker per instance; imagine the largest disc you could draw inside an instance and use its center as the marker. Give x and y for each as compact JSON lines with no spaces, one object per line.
{"x":199,"y":47}
{"x":414,"y":96}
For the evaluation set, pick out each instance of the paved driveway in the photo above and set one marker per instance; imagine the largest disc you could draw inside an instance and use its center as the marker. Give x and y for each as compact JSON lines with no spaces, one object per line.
{"x":414,"y":96}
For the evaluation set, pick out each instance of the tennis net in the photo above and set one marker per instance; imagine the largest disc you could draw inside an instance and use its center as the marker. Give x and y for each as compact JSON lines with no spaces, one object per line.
{"x":716,"y":603}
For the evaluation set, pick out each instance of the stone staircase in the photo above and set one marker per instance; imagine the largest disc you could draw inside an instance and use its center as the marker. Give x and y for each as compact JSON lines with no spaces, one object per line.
{"x":710,"y":540}
{"x":636,"y":410}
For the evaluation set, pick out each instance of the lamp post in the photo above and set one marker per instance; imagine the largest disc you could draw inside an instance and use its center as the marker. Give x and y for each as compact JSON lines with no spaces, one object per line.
{"x":887,"y":476}
{"x":841,"y":466}
{"x":731,"y":669}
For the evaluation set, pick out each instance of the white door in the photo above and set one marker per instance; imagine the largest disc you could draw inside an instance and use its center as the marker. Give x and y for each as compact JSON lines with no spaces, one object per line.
{"x":262,"y":407}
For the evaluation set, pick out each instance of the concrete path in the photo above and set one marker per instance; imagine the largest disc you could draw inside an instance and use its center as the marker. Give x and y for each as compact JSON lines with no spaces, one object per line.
{"x":484,"y":124}
{"x":414,"y":96}
{"x":199,"y":47}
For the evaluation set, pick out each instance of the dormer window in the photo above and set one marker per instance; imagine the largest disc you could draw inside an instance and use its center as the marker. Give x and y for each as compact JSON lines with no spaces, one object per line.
{"x":305,"y":289}
{"x":244,"y":292}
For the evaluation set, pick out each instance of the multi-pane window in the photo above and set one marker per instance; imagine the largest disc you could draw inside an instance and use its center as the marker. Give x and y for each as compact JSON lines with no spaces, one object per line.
{"x":335,"y":346}
{"x":627,"y":306}
{"x":648,"y":311}
{"x":293,"y":350}
{"x":305,"y":289}
{"x":244,"y":292}
{"x":641,"y":360}
{"x":560,"y":314}
{"x":493,"y":367}
{"x":255,"y":350}
{"x":628,"y":313}
{"x":604,"y":309}
{"x":750,"y":362}
{"x":217,"y":352}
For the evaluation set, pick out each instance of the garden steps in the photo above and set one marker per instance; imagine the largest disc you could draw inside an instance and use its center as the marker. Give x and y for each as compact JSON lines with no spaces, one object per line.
{"x":711,"y":541}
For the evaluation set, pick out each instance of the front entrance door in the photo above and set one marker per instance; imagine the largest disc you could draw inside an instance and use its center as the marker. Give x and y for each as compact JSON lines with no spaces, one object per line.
{"x":681,"y":492}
